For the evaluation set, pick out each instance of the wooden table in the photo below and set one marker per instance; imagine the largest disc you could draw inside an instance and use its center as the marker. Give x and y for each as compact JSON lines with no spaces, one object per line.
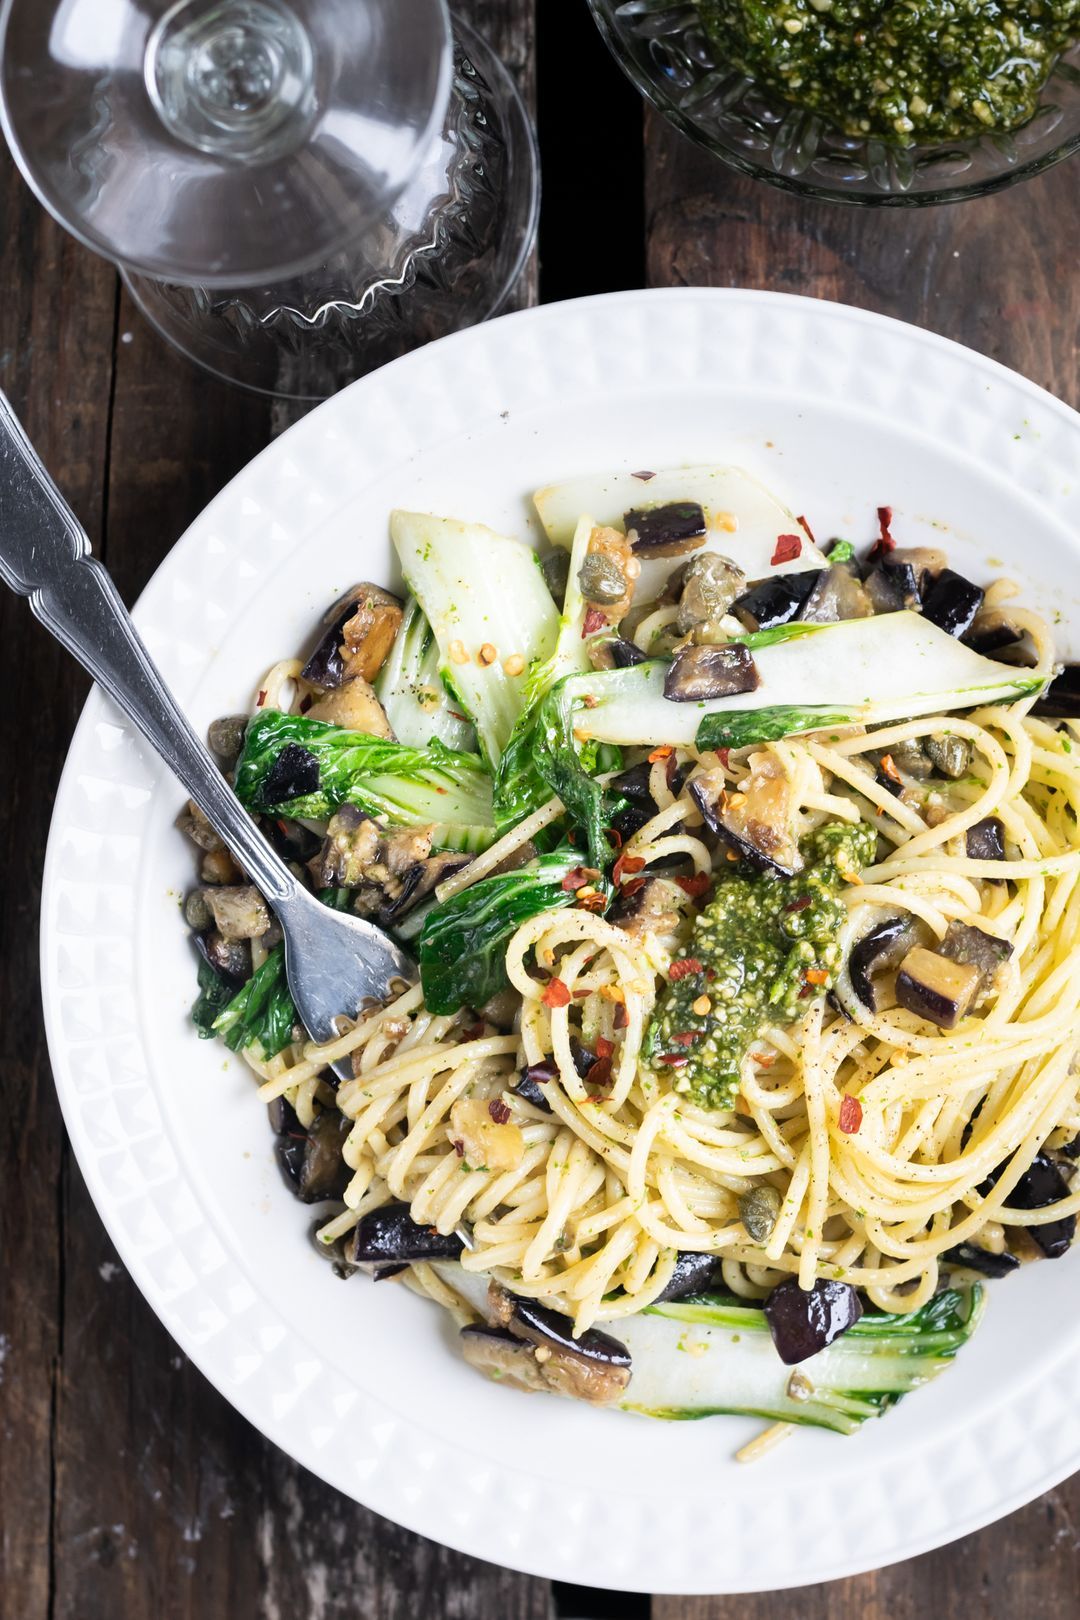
{"x":128,"y":1488}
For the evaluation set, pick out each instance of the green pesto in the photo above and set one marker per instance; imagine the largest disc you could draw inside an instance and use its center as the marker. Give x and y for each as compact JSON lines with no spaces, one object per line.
{"x":902,"y":70}
{"x":756,"y":941}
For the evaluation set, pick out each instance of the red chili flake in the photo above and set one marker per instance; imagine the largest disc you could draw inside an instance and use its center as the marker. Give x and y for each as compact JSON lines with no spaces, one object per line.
{"x":671,"y":770}
{"x":686,"y":1037}
{"x":555,"y":994}
{"x":800,"y":904}
{"x":684,"y":968}
{"x":498,"y":1110}
{"x":885,"y":540}
{"x":604,"y":1047}
{"x":850,"y":1114}
{"x":888,"y":765}
{"x":261,"y":699}
{"x":644,"y":476}
{"x":626,"y":863}
{"x":582,"y":995}
{"x":788,"y":547}
{"x":578,"y":877}
{"x":305,"y":703}
{"x":622,"y":1017}
{"x":600,"y":1073}
{"x":473,"y":1033}
{"x":594,"y":620}
{"x":673,"y":1060}
{"x":710,"y":974}
{"x":724,"y":756}
{"x":458,"y":1147}
{"x":801,"y":521}
{"x":571,"y":837}
{"x":592,"y":902}
{"x":665,"y":752}
{"x":588,"y":701}
{"x":631,"y":887}
{"x":614,"y":837}
{"x":694,"y":886}
{"x":817,"y":976}
{"x":764,"y":1060}
{"x":804,"y":992}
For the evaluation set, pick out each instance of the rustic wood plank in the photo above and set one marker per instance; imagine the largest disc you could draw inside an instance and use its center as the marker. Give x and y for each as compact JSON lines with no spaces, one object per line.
{"x":56,"y":330}
{"x":996,"y":274}
{"x":1029,"y":1564}
{"x":167,"y":1502}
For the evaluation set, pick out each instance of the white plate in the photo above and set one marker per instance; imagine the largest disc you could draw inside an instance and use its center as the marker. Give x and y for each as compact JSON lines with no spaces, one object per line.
{"x":839,"y":412}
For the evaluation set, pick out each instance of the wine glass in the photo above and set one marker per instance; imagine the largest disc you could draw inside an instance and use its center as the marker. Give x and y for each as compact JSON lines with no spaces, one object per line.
{"x":294,"y":189}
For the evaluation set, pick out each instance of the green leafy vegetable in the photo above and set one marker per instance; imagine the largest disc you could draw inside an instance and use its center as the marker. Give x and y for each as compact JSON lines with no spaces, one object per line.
{"x":411,"y":787}
{"x":478,"y":589}
{"x":714,"y":1354}
{"x":553,"y":752}
{"x":412,"y":691}
{"x":262,"y":1013}
{"x":462,"y":947}
{"x":859,"y":671}
{"x":214,"y":995}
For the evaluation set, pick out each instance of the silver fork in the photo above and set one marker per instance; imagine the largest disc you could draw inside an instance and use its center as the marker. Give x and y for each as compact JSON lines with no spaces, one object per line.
{"x":335,"y":961}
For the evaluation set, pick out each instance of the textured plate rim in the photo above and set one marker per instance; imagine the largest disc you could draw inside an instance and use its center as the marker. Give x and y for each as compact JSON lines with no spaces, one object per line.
{"x":487,"y":1540}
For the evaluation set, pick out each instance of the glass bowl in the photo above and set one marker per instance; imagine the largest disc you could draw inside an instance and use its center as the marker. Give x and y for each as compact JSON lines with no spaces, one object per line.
{"x":664,"y":50}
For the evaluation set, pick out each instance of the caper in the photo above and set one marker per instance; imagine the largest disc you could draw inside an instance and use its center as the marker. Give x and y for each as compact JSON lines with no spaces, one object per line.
{"x":226,"y":738}
{"x":601,"y":579}
{"x":556,"y":571}
{"x":758,"y":1211}
{"x":197,"y":913}
{"x":909,"y":757}
{"x":950,"y":755}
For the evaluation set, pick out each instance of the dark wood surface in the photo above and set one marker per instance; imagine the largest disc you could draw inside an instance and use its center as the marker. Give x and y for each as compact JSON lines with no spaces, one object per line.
{"x":129,"y":1488}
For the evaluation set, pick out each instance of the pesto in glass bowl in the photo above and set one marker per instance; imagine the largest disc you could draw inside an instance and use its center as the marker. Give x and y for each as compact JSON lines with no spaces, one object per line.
{"x":897,"y":102}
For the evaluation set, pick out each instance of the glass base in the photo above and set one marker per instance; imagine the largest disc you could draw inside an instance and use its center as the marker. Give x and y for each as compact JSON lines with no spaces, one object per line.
{"x":445,"y":257}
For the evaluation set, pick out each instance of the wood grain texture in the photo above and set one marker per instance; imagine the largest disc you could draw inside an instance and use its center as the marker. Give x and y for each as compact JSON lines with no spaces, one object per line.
{"x":128,"y":1487}
{"x":56,"y":342}
{"x":998,"y":275}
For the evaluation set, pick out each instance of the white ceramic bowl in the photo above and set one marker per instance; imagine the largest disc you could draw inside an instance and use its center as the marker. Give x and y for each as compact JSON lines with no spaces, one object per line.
{"x":839,"y":412}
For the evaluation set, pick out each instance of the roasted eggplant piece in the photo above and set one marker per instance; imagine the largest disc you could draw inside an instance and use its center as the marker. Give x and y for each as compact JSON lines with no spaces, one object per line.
{"x":499,"y":1355}
{"x":349,"y":849}
{"x":417,"y":882}
{"x":231,"y":958}
{"x":1042,"y":1183}
{"x":354,"y":706}
{"x":950,"y":755}
{"x":291,"y":1144}
{"x":884,"y":947}
{"x":294,"y":773}
{"x":976,"y":948}
{"x":359,"y":630}
{"x":1061,"y":699}
{"x":986,"y":840}
{"x":594,"y":1367}
{"x":239,"y":913}
{"x":973,"y":1258}
{"x":936,"y":988}
{"x":652,"y":909}
{"x":757,"y":823}
{"x":625,"y":654}
{"x":838,"y":594}
{"x":666,"y":531}
{"x":693,"y":1274}
{"x":992,"y":629}
{"x":700,"y":673}
{"x":314,"y":1165}
{"x":802,"y":1322}
{"x":710,"y":584}
{"x":952,"y":602}
{"x":290,"y":839}
{"x":633,"y":785}
{"x":529,"y":1083}
{"x":775,"y":601}
{"x":884,"y":591}
{"x":390,"y":1237}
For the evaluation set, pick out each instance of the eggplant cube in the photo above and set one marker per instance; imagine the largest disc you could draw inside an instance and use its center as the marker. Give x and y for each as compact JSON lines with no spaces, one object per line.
{"x":935,"y":988}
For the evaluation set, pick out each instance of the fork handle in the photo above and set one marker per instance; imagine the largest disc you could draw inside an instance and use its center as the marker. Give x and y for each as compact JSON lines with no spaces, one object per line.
{"x":45,"y":555}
